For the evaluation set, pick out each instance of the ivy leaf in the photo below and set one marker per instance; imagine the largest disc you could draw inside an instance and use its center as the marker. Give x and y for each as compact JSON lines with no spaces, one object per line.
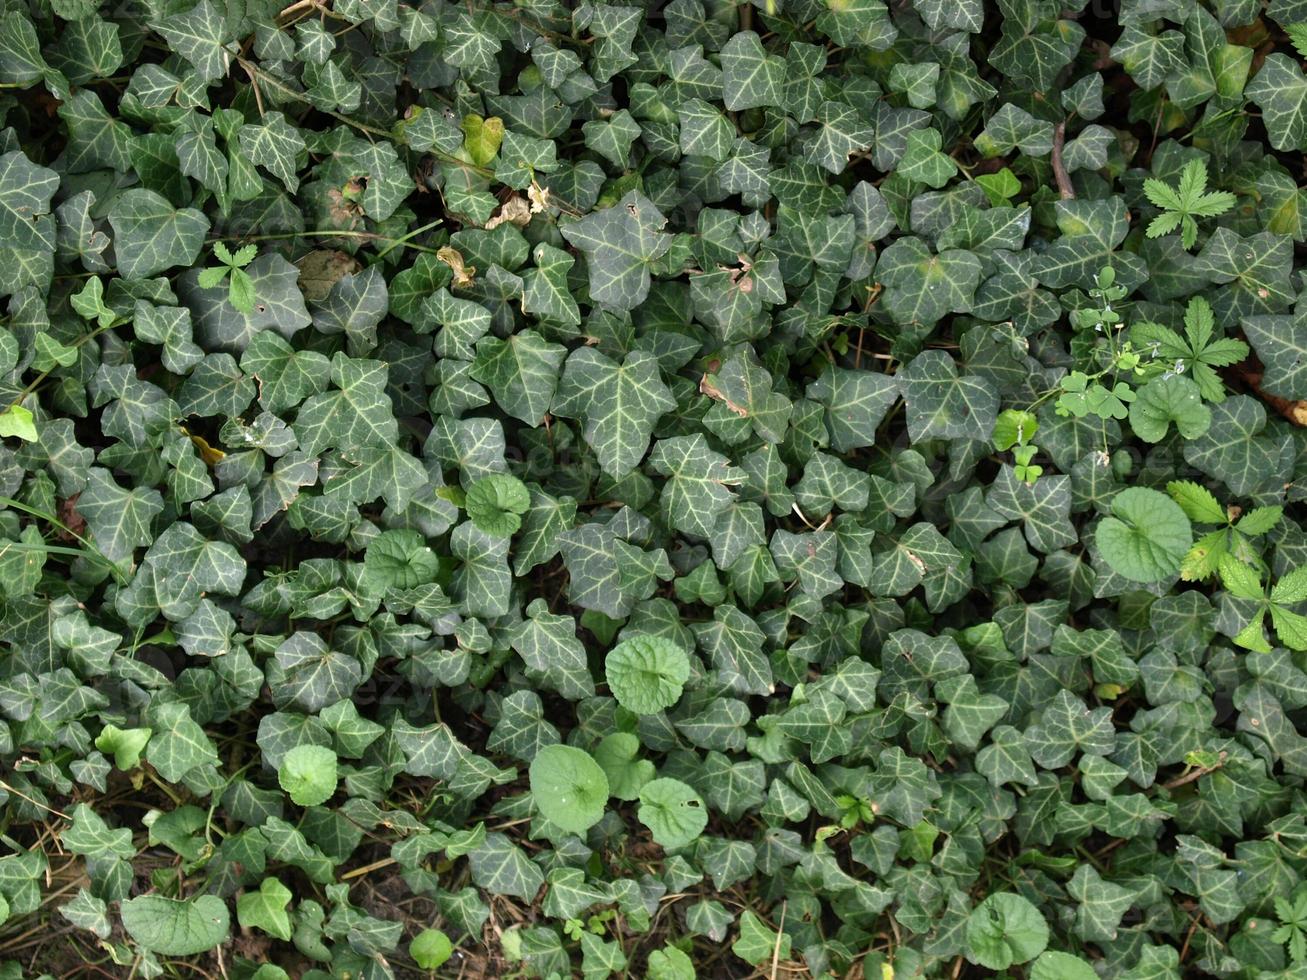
{"x":171,"y":927}
{"x":698,"y":483}
{"x":484,"y":580}
{"x":943,"y":405}
{"x":520,"y":372}
{"x":545,"y":292}
{"x":199,"y":34}
{"x":751,"y":78}
{"x":120,"y":521}
{"x":275,"y":145}
{"x":619,"y":403}
{"x":1280,"y":90}
{"x":620,"y":244}
{"x":265,"y":909}
{"x":151,"y":236}
{"x":1067,"y":726}
{"x":1279,"y":342}
{"x":357,"y":412}
{"x":278,"y":305}
{"x":548,"y":645}
{"x":922,"y":288}
{"x":183,"y":564}
{"x":25,"y":193}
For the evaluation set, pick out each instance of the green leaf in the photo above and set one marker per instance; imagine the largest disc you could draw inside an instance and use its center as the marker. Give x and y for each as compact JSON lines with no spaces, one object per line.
{"x":620,"y":243}
{"x":1197,"y":502}
{"x":1281,"y":347}
{"x":308,"y":774}
{"x":124,"y":744}
{"x":399,"y":559}
{"x":150,"y":236}
{"x":17,"y":422}
{"x":25,"y":194}
{"x":618,"y":402}
{"x":1003,"y":930}
{"x":758,"y":944}
{"x":1166,"y":400}
{"x":1052,"y":965}
{"x":646,"y":673}
{"x":1146,"y":536}
{"x":627,"y":775}
{"x":669,"y":963}
{"x":176,"y":928}
{"x":266,"y":909}
{"x":431,"y":949}
{"x":674,"y":813}
{"x":568,"y":787}
{"x":496,"y":502}
{"x":520,"y":372}
{"x":1280,"y":90}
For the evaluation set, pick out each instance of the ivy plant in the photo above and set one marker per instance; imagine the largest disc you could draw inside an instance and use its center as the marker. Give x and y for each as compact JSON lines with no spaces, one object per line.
{"x":653,"y":490}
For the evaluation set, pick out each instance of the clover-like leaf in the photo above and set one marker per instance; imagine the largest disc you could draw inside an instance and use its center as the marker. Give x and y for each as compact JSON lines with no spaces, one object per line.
{"x":569,"y":788}
{"x":172,"y":927}
{"x":674,"y":813}
{"x":1146,"y":535}
{"x":308,"y":774}
{"x":646,"y":673}
{"x":496,"y":502}
{"x":1003,"y":930}
{"x":400,"y":559}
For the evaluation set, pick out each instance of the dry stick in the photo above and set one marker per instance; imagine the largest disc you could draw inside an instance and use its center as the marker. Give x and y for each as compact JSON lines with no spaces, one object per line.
{"x":776,"y":950}
{"x":1064,"y":187}
{"x":375,"y":865}
{"x":1195,"y":774}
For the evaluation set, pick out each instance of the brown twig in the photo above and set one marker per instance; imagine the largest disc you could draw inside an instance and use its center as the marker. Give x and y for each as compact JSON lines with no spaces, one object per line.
{"x":1064,"y":188}
{"x":1194,"y":775}
{"x":1250,"y":373}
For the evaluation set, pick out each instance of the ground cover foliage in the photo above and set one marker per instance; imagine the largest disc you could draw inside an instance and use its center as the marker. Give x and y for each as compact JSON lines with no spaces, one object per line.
{"x":526,"y":490}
